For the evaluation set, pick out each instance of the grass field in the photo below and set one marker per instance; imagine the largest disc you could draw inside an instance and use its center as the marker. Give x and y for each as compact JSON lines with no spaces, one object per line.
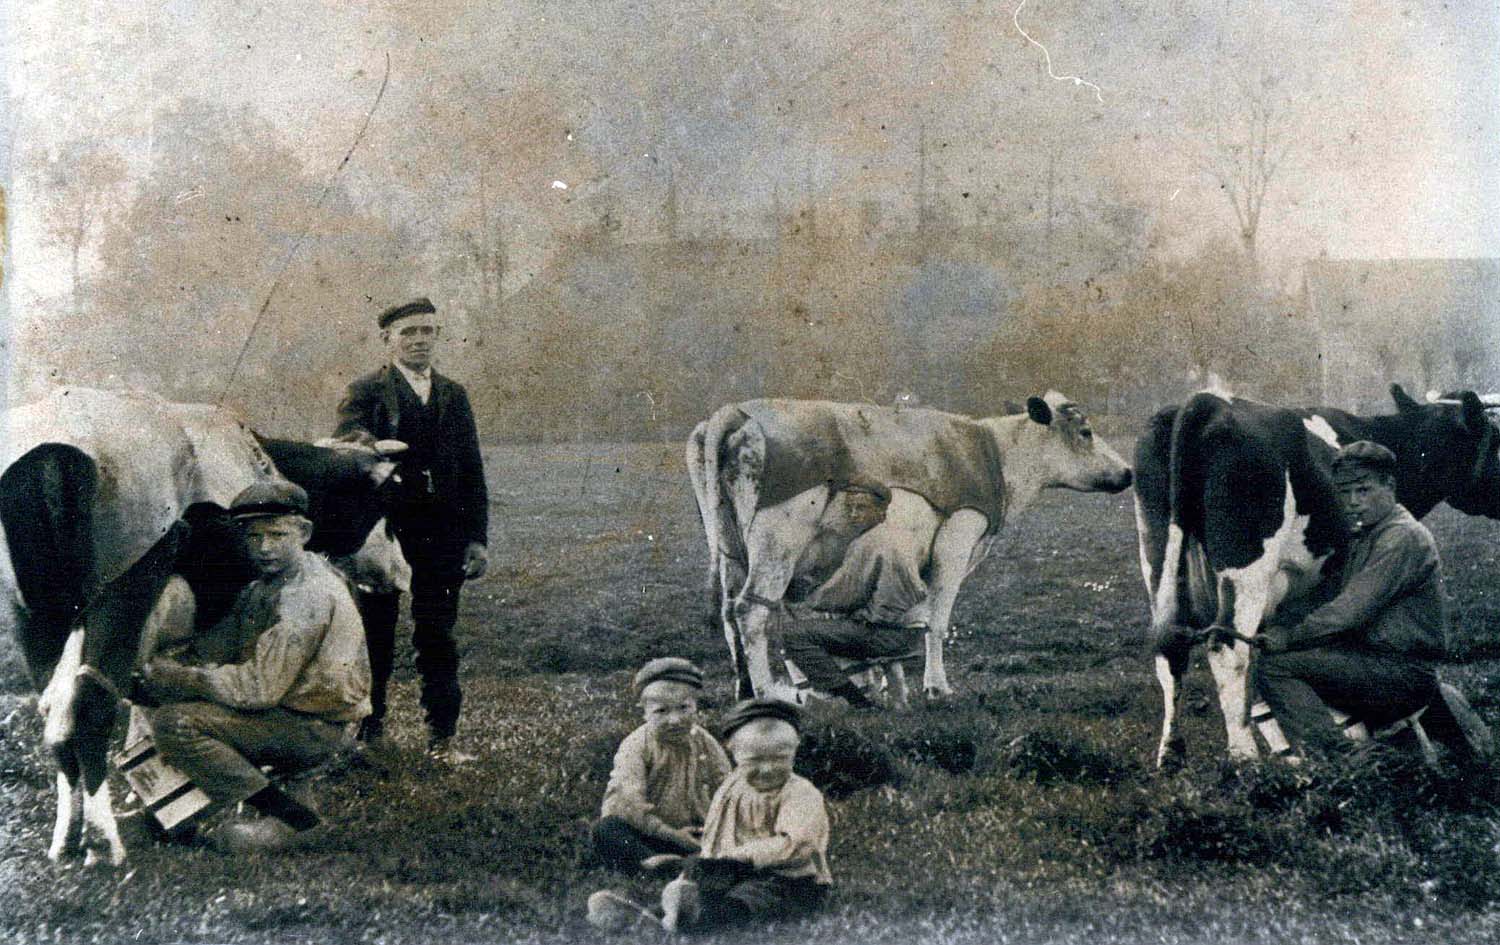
{"x":1024,"y":811}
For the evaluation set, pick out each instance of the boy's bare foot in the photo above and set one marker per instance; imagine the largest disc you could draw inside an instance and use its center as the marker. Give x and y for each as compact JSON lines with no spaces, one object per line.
{"x":610,"y":911}
{"x":679,"y":905}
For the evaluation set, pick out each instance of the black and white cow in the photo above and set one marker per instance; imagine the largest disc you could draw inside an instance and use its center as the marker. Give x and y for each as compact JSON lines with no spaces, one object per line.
{"x":1237,"y":514}
{"x":103,"y":497}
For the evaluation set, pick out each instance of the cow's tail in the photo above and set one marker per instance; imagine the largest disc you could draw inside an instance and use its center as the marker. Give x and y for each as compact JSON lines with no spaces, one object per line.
{"x":47,"y":511}
{"x":697,"y":464}
{"x":1184,"y":566}
{"x":718,"y":517}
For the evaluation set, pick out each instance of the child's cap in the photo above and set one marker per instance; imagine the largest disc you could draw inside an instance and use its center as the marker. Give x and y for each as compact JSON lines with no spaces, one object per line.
{"x":762,"y":708}
{"x":668,"y":669}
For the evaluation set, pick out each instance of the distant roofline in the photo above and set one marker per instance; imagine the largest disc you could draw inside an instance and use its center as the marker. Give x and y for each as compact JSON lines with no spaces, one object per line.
{"x":1396,"y":260}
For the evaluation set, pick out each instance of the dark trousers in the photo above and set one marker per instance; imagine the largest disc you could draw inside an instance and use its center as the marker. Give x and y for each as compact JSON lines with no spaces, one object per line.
{"x":1377,"y":688}
{"x":621,"y":846}
{"x":732,"y":893}
{"x":221,"y":749}
{"x":434,"y":548}
{"x":813,"y":643}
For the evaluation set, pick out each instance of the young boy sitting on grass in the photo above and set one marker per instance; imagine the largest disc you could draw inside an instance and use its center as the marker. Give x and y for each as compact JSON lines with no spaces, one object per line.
{"x":664,"y":776}
{"x":765,"y":844}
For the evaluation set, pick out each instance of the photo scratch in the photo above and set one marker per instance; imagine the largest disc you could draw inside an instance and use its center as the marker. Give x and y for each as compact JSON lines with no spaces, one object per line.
{"x":1047,"y":56}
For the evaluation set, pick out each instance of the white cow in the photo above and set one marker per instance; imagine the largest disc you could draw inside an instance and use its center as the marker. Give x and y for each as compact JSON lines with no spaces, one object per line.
{"x":765,"y":471}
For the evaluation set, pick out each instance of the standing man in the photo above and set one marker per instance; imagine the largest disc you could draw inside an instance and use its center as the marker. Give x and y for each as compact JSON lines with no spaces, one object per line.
{"x":1372,"y":649}
{"x":440,"y":514}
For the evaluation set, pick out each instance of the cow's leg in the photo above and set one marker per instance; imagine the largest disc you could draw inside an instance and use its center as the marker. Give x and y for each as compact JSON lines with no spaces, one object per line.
{"x":1171,"y":666}
{"x":1256,"y":588}
{"x":731,"y":582}
{"x":775,"y":540}
{"x":56,"y":707}
{"x":67,"y":777}
{"x":952,"y":556}
{"x":98,"y":808}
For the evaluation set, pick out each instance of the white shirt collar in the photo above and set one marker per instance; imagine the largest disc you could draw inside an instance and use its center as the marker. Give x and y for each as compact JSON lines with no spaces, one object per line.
{"x":421,"y":382}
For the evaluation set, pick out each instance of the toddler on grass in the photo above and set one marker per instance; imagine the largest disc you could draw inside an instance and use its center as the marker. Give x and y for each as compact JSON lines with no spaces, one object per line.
{"x":765,"y":843}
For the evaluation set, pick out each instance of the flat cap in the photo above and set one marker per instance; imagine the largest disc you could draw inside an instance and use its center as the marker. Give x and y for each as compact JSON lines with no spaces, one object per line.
{"x":422,"y":306}
{"x":1357,"y":459}
{"x":749,"y":710}
{"x":271,"y":497}
{"x":669,"y":669}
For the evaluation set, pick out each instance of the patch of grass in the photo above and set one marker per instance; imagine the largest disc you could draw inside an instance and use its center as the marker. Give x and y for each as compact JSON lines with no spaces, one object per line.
{"x":1046,"y":758}
{"x":1025,"y":810}
{"x":841,"y":760}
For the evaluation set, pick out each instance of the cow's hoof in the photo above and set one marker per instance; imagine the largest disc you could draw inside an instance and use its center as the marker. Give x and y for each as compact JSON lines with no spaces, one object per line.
{"x":935,"y":696}
{"x":96,"y":857}
{"x":1172,"y":756}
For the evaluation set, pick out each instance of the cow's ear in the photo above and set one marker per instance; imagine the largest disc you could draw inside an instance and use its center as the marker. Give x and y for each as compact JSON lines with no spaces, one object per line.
{"x":1037,"y":409}
{"x":1474,"y":418}
{"x":1403,"y":400}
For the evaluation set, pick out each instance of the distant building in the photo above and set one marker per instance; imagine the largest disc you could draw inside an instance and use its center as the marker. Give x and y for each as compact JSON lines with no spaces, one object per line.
{"x":1429,"y":324}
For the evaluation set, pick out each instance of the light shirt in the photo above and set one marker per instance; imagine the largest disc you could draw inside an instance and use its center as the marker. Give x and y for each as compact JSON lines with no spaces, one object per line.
{"x":655,"y":784}
{"x":783,"y":832}
{"x":294,"y":640}
{"x":880,"y":578}
{"x":421,"y":383}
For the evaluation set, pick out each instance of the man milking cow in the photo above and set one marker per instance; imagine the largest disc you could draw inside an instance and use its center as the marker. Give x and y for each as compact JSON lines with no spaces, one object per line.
{"x":280,"y":681}
{"x":861,"y":596}
{"x":1371,"y":648}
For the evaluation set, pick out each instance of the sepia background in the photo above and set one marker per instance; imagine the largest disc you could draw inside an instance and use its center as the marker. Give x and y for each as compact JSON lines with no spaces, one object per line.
{"x":629,"y":212}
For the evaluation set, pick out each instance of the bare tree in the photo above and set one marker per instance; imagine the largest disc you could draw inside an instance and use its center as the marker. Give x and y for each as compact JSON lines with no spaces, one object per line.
{"x":1249,"y":137}
{"x":83,"y":181}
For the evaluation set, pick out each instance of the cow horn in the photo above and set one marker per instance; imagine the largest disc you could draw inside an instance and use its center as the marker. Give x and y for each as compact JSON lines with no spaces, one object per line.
{"x":1487,"y":401}
{"x":389,"y":447}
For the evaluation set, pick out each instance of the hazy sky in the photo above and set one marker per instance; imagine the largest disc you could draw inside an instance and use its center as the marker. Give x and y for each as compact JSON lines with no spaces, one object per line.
{"x":552,"y":113}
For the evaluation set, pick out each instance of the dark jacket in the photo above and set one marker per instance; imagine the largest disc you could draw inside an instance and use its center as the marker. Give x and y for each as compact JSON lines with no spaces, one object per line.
{"x":1390,"y":594}
{"x":373,"y":404}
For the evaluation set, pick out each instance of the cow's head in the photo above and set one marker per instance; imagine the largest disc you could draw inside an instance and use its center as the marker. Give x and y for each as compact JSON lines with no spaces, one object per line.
{"x":1450,"y":453}
{"x":1074,"y":456}
{"x":348,"y":484}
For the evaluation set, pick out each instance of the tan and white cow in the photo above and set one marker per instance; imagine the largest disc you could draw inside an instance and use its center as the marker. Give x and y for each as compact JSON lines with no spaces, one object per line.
{"x":765,"y":471}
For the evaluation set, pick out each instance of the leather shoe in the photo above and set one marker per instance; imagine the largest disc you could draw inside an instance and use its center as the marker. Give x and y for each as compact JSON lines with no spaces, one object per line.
{"x":443,"y":751}
{"x":266,"y":835}
{"x":370,"y":729}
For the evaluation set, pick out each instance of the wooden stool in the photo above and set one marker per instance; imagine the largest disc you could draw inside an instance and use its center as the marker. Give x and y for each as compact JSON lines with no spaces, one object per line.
{"x":887,"y":676}
{"x":1355,"y":729}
